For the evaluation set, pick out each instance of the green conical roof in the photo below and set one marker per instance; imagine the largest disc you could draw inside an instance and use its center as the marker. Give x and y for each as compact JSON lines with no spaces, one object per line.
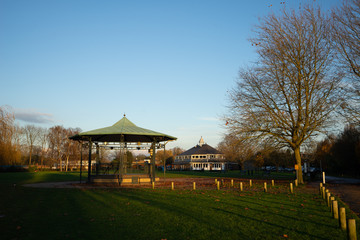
{"x":126,"y":129}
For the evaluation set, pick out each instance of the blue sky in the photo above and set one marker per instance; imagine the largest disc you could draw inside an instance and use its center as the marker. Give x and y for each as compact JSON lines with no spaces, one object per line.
{"x":166,"y":64}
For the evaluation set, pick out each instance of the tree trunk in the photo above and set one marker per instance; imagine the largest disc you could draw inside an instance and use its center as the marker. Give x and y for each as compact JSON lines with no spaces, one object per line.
{"x":60,"y":162}
{"x":67,"y":163}
{"x":298,"y":162}
{"x":30,"y":156}
{"x":42,"y":160}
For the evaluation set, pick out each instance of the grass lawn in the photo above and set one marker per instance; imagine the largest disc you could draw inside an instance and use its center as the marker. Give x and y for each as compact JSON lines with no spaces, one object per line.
{"x":39,"y":213}
{"x":229,"y":174}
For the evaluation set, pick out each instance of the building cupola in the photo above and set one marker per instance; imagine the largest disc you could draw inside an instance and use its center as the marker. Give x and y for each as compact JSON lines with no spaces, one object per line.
{"x":201,"y":142}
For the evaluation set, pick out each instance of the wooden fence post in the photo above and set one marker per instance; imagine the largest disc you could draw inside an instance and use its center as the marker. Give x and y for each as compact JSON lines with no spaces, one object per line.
{"x":342,"y":219}
{"x":250,"y":182}
{"x":320,"y":188}
{"x":291,"y":188}
{"x":232,"y":182}
{"x":296,"y":182}
{"x":218,"y":185}
{"x":323,"y":193}
{"x":272,"y":183}
{"x":332,"y":199}
{"x":172,"y":185}
{"x":194,"y":185}
{"x":351,"y":229}
{"x":153,"y":185}
{"x":328,"y":194}
{"x":241,"y":186}
{"x":265,"y":187}
{"x":335,"y":209}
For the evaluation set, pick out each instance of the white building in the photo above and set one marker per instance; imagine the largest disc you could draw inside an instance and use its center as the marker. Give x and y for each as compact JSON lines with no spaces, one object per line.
{"x":202,"y":157}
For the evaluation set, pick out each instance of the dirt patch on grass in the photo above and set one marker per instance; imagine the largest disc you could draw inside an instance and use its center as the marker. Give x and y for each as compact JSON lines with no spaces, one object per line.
{"x":348,"y":193}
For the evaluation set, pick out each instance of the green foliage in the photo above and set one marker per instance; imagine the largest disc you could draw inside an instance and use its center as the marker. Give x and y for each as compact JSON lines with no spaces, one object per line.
{"x":340,"y":154}
{"x":259,"y":160}
{"x":283,"y":158}
{"x":169,"y":160}
{"x":32,"y":168}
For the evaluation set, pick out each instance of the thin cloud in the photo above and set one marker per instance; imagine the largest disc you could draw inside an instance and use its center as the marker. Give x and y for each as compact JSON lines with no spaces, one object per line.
{"x":31,"y":116}
{"x":210,"y":119}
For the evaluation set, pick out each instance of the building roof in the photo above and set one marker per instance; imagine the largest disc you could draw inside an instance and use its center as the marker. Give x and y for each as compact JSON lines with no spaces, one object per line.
{"x":123,"y":128}
{"x":204,"y":149}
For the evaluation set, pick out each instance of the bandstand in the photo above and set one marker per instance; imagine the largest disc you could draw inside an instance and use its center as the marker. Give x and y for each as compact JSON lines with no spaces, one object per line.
{"x":122,"y":136}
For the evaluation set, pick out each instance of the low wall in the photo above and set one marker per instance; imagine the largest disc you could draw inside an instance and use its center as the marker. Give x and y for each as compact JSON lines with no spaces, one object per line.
{"x":126,"y":179}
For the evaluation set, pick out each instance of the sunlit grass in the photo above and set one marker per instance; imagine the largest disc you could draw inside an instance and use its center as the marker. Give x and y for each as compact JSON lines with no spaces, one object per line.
{"x":35,"y":177}
{"x":32,"y":213}
{"x":229,"y":174}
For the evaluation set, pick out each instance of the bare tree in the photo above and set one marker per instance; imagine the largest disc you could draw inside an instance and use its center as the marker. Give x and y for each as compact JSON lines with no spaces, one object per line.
{"x":105,"y":155}
{"x":9,"y":136}
{"x":290,"y":94}
{"x":177,"y":150}
{"x":31,"y":133}
{"x":6,"y":125}
{"x":161,"y":158}
{"x":71,"y":148}
{"x":43,"y":140}
{"x":235,"y":150}
{"x":346,"y":34}
{"x":57,"y":138}
{"x":16,"y":146}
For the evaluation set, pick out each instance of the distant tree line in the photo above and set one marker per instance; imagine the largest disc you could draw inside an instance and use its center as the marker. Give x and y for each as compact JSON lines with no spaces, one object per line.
{"x":33,"y":145}
{"x":51,"y":147}
{"x":255,"y":156}
{"x":335,"y":154}
{"x":169,"y":155}
{"x":340,"y":154}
